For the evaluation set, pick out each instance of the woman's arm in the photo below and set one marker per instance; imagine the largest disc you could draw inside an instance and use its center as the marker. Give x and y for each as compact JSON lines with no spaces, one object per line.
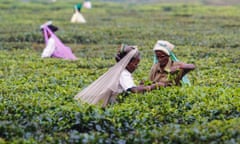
{"x":127,"y":83}
{"x":142,"y":88}
{"x":185,"y":67}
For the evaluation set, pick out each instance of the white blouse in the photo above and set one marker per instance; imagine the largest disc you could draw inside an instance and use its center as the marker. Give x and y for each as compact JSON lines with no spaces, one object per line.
{"x":49,"y":49}
{"x":126,"y":81}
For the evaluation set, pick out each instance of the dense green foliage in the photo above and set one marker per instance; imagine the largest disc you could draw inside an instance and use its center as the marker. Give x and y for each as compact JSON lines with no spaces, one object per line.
{"x":36,"y":95}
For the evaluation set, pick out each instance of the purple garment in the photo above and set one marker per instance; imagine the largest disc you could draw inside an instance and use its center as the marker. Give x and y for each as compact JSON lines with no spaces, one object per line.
{"x":61,"y":51}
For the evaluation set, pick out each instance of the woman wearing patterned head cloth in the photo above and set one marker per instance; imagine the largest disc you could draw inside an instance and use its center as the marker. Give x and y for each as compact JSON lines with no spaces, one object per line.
{"x":166,"y":67}
{"x":116,"y":80}
{"x":54,"y":47}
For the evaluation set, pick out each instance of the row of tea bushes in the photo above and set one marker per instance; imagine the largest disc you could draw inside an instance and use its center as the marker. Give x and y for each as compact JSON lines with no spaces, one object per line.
{"x":37,"y":105}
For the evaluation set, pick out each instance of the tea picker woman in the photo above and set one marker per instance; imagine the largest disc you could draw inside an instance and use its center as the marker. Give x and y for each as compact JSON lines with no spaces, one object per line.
{"x":166,"y":67}
{"x":116,"y":80}
{"x":77,"y":16}
{"x":87,"y":4}
{"x":54,"y":47}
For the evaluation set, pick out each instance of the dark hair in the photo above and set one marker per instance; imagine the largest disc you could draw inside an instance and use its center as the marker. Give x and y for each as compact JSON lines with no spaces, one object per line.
{"x":123,"y":51}
{"x":52,"y":28}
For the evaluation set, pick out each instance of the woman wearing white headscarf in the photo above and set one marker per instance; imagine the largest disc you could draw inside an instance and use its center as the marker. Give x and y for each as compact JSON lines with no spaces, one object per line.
{"x":116,"y":80}
{"x":166,"y":67}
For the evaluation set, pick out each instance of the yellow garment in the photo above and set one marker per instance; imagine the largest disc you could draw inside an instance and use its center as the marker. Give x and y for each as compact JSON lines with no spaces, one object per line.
{"x":158,"y":74}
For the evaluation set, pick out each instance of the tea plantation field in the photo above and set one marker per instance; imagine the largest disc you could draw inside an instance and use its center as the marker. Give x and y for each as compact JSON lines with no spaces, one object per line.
{"x":36,"y":95}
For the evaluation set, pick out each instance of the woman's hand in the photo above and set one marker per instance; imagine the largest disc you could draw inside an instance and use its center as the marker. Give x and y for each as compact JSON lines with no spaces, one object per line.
{"x":175,"y":68}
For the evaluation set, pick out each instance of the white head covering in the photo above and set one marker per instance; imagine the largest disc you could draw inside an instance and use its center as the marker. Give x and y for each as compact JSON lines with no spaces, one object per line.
{"x":46,"y":24}
{"x":164,"y":46}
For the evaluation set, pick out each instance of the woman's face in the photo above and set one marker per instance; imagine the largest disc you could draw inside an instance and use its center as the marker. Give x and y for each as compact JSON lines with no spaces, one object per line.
{"x":162,"y":58}
{"x":132,"y":66}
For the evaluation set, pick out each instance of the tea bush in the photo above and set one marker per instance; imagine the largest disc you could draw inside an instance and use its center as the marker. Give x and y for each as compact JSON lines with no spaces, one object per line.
{"x":36,"y":95}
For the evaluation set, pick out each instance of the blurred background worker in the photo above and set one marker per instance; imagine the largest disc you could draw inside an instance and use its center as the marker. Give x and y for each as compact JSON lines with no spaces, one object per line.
{"x":77,"y":16}
{"x":87,"y":4}
{"x":54,"y":47}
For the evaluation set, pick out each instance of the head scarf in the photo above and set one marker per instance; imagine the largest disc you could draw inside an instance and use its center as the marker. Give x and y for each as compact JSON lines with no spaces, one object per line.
{"x":123,"y":50}
{"x":61,"y":51}
{"x":78,"y":7}
{"x":106,"y":86}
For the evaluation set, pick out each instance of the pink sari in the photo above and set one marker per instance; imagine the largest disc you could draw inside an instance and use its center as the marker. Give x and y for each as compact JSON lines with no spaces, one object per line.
{"x":61,"y":51}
